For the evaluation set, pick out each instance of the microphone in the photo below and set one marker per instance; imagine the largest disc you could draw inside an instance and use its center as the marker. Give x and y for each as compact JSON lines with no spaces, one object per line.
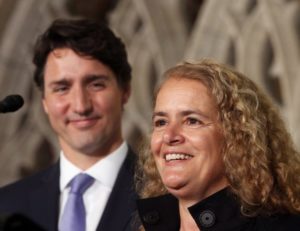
{"x":11,"y":103}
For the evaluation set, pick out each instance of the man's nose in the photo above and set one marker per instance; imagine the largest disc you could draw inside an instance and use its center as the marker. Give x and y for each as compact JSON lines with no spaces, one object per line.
{"x":82,"y":102}
{"x":173,"y":135}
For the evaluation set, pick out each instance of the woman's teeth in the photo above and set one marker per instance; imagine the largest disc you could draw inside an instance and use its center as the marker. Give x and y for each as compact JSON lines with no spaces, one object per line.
{"x":176,"y":156}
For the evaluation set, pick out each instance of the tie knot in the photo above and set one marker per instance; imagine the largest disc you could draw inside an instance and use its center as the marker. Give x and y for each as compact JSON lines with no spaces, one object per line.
{"x":81,"y":182}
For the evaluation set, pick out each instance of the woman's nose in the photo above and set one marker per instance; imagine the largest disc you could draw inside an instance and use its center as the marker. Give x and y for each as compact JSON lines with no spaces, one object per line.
{"x":173,"y":135}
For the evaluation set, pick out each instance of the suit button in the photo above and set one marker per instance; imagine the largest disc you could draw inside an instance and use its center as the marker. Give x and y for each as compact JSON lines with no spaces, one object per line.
{"x":151,"y":217}
{"x":207,"y":218}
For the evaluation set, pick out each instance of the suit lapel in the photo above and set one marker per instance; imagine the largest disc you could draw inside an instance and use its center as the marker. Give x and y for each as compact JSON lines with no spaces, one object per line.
{"x":121,"y":203}
{"x":45,"y":199}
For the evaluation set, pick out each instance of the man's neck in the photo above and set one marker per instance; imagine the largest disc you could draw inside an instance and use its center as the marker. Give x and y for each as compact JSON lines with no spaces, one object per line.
{"x":86,"y":160}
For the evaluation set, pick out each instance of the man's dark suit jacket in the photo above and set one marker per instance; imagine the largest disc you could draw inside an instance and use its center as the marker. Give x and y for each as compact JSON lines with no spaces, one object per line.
{"x":37,"y":197}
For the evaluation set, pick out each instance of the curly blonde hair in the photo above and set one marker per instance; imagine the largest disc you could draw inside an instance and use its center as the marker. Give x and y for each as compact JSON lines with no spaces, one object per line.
{"x":261,"y":162}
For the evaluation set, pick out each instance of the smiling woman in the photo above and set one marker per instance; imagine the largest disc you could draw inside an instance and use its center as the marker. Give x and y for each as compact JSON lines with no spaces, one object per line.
{"x":187,"y":140}
{"x":220,"y":156}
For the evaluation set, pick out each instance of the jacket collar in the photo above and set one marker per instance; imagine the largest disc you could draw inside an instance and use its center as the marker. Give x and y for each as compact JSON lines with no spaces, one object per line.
{"x":162,"y":213}
{"x":121,"y":203}
{"x":220,"y":211}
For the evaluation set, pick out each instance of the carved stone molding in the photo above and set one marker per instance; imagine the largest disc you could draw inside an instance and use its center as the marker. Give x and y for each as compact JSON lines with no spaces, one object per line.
{"x":259,"y":37}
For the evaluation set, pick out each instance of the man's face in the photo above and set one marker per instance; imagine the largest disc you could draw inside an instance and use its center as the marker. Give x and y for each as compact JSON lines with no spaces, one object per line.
{"x":84,"y":103}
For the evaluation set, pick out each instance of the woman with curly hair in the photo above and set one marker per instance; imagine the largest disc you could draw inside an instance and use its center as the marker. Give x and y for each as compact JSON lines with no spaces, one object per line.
{"x":220,"y":156}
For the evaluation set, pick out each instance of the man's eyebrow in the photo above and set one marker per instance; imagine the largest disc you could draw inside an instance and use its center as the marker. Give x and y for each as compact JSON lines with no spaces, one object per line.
{"x":87,"y":78}
{"x":63,"y":81}
{"x":92,"y":77}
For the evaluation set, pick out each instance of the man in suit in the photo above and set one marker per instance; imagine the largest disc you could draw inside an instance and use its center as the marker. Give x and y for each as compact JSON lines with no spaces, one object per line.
{"x":84,"y":76}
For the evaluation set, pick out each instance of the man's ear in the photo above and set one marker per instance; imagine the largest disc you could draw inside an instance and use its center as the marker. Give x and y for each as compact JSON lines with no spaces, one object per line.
{"x":126,"y":94}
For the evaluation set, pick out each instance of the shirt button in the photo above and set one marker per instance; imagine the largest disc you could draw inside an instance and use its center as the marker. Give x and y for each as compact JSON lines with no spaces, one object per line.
{"x":151,"y":217}
{"x":207,"y":218}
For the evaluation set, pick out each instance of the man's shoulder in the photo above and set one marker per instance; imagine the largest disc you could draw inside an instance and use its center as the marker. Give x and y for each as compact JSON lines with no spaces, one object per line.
{"x":126,"y":172}
{"x":27,"y":184}
{"x":33,"y":197}
{"x":130,"y":160}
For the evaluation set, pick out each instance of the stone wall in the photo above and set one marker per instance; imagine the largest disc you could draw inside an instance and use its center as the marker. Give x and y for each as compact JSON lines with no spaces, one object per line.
{"x":259,"y":37}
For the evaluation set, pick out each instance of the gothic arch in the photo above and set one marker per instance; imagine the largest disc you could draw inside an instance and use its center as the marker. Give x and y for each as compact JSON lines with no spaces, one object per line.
{"x":259,"y":37}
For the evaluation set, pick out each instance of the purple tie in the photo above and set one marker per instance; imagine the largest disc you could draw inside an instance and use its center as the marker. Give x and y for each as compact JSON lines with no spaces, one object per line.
{"x":73,"y":217}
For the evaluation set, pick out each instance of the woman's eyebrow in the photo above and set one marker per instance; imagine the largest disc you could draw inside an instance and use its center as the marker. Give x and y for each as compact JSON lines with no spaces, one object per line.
{"x":197,"y":112}
{"x":158,"y":113}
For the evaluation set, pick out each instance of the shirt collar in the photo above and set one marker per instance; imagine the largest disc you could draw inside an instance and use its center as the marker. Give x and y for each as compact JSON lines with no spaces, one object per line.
{"x":105,"y":170}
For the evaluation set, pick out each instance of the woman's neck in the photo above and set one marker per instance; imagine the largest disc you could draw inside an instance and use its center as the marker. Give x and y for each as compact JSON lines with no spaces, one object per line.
{"x":187,"y":223}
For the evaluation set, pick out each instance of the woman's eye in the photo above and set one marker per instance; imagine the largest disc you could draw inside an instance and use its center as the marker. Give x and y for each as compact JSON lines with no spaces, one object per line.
{"x":159,"y":123}
{"x":193,"y":121}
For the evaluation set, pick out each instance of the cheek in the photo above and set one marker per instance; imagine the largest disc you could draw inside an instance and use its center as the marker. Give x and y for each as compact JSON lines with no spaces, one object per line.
{"x":54,"y":108}
{"x":155,"y":143}
{"x":111,"y":104}
{"x":210,"y":140}
{"x":213,"y":148}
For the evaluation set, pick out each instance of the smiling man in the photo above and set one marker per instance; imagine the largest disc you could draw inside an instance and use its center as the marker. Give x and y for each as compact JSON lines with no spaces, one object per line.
{"x":84,"y":76}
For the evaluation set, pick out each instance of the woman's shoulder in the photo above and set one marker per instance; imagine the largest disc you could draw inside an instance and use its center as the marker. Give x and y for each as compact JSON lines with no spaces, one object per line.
{"x":280,"y":222}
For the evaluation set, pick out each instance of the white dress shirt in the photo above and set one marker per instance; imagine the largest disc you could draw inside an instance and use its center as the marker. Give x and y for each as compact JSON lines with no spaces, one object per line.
{"x":95,"y":197}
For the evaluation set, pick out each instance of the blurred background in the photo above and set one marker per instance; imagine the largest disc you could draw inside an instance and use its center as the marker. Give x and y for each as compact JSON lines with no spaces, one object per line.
{"x":259,"y":37}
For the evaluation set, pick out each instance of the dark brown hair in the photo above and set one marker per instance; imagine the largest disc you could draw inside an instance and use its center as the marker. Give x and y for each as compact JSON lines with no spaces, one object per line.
{"x":86,"y":38}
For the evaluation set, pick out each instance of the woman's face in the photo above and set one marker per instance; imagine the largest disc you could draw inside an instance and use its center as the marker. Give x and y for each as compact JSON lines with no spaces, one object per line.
{"x":187,"y":140}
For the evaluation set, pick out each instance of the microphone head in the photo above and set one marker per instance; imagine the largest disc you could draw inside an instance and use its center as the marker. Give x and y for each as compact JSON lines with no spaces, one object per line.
{"x":11,"y":103}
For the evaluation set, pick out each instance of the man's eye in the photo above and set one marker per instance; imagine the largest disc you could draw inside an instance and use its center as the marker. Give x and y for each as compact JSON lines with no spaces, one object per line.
{"x":98,"y":85}
{"x":60,"y":89}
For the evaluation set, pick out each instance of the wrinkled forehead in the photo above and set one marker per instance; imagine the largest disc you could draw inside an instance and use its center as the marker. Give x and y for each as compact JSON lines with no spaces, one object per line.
{"x":182,"y":77}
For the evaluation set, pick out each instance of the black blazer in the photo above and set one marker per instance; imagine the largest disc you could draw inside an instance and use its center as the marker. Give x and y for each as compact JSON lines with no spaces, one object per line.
{"x":37,"y":197}
{"x":218,"y":212}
